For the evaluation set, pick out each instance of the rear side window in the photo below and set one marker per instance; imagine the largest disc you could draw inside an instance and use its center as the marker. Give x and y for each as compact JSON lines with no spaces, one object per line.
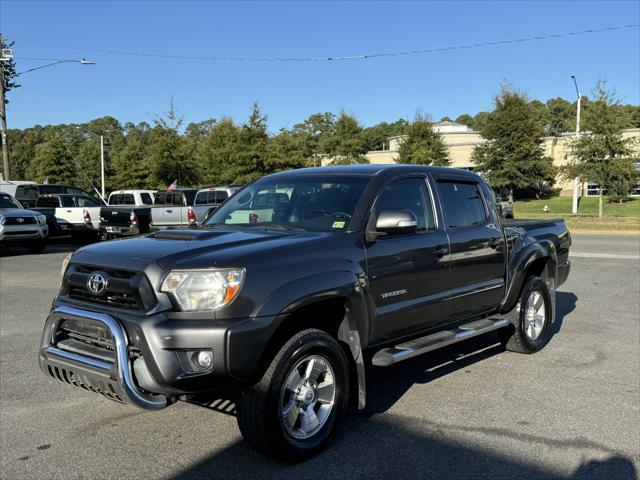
{"x":408,"y":194}
{"x":128,"y":199}
{"x":68,"y":202}
{"x":189,"y":196}
{"x":48,"y":202}
{"x":146,"y":199}
{"x":86,"y":202}
{"x":161,"y":199}
{"x":462,"y":204}
{"x":202,"y":198}
{"x":115,"y":199}
{"x":26,"y":193}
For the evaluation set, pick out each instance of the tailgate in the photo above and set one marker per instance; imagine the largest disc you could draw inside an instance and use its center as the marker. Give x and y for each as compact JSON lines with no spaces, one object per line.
{"x":115,"y":217}
{"x":168,"y":216}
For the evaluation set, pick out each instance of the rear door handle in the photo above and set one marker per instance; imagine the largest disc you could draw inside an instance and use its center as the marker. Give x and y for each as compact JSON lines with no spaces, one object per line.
{"x":168,"y":211}
{"x":440,"y":251}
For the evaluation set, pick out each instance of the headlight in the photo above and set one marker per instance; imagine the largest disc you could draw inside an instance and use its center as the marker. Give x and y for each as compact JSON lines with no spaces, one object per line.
{"x":41,"y":219}
{"x":65,"y":264}
{"x":202,"y":290}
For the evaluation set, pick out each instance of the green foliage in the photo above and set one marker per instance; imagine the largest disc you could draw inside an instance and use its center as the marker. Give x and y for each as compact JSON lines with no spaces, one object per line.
{"x":622,"y":176}
{"x":129,"y":164}
{"x":465,"y":119}
{"x":53,"y":161}
{"x":513,"y":156}
{"x":377,"y":137}
{"x":604,"y":155}
{"x":345,"y":145}
{"x":423,"y":145}
{"x":8,"y":68}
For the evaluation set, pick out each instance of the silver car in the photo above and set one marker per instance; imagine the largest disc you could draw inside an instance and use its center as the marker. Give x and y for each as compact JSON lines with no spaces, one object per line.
{"x":20,"y":227}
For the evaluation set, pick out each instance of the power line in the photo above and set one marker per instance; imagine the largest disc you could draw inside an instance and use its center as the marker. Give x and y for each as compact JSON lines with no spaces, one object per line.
{"x":333,"y":58}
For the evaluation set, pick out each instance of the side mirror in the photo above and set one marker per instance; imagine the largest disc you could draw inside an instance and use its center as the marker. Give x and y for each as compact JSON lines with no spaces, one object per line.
{"x":393,"y":222}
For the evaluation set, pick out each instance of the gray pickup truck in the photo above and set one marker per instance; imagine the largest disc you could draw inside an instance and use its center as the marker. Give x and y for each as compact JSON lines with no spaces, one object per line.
{"x":295,"y":285}
{"x":21,"y":227}
{"x":173,"y":209}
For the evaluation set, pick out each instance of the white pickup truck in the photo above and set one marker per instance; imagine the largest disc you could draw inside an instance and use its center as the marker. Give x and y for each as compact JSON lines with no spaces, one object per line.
{"x":80,"y":214}
{"x":208,"y":199}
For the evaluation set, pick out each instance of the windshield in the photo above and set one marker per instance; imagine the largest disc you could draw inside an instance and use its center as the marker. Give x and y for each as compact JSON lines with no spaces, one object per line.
{"x":7,"y":201}
{"x":310,"y":202}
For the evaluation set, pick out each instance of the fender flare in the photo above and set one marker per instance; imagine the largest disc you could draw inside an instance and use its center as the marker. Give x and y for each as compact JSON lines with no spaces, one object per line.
{"x":353,"y":329}
{"x":520,"y":266}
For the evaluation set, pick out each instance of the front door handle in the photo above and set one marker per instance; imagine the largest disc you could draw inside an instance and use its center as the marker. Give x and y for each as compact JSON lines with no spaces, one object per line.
{"x":168,"y":211}
{"x":440,"y":251}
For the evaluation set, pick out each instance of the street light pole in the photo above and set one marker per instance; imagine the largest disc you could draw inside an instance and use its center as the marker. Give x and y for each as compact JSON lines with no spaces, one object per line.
{"x":102,"y":163}
{"x":3,"y":117}
{"x":576,"y":181}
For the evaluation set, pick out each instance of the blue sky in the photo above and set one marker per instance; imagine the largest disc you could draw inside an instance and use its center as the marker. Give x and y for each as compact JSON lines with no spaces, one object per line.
{"x":133,"y":88}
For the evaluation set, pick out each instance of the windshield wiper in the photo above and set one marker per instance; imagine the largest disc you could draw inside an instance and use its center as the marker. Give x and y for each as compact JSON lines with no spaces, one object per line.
{"x":278,"y":226}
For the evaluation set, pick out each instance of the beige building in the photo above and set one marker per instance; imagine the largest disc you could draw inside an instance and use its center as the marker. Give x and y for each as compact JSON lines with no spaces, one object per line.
{"x":461,"y":140}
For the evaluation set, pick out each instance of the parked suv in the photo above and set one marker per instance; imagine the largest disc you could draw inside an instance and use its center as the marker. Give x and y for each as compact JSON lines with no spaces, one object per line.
{"x":28,"y":194}
{"x":20,"y":227}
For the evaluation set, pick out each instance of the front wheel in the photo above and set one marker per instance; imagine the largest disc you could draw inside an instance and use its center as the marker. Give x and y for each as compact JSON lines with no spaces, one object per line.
{"x":531,"y":330}
{"x":292,"y":411}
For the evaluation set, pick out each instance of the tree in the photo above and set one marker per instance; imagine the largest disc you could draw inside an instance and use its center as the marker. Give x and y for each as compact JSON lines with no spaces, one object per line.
{"x":622,"y":175}
{"x":423,"y":145}
{"x":130,"y":166}
{"x":377,"y":136}
{"x":465,"y":119}
{"x":220,"y":150}
{"x":513,"y":156}
{"x":561,"y":115}
{"x":599,"y":156}
{"x":346,"y":144}
{"x":53,"y":162}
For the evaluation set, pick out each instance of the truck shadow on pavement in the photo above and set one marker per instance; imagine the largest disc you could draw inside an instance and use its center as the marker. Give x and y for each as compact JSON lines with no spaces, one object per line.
{"x":397,"y":447}
{"x":391,"y":446}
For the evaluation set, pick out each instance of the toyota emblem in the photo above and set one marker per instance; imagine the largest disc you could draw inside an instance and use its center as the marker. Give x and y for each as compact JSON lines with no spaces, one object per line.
{"x":96,"y":283}
{"x":20,"y":220}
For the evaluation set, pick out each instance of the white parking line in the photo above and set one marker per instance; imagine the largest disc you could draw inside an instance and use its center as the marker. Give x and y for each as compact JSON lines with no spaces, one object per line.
{"x":620,"y":256}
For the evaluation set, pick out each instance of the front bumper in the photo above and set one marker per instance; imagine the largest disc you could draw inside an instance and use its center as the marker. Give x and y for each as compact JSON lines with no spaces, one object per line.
{"x":16,"y":234}
{"x":160,"y":371}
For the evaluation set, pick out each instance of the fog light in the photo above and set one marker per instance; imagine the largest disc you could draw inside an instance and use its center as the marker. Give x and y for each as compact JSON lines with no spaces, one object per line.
{"x":204,"y":359}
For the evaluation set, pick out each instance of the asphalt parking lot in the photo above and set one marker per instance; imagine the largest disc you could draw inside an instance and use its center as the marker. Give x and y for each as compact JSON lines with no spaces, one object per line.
{"x":469,"y":411}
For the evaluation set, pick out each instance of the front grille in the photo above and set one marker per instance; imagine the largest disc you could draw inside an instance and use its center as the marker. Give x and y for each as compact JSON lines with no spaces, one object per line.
{"x":124,"y":289}
{"x":20,"y":232}
{"x":89,"y":332}
{"x":16,"y":221}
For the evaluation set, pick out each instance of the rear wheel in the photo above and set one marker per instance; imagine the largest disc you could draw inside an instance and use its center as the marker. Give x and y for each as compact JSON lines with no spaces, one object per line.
{"x":530,"y":332}
{"x":292,"y":411}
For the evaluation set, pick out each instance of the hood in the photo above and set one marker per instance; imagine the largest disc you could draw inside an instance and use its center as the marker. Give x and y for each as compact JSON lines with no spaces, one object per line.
{"x":17,"y":212}
{"x":197,"y":248}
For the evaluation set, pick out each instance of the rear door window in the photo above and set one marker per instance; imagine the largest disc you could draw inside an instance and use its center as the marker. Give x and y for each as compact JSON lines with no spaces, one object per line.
{"x":462,"y":204}
{"x":146,"y":198}
{"x":161,"y":199}
{"x":68,"y":202}
{"x":128,"y":199}
{"x":50,"y":202}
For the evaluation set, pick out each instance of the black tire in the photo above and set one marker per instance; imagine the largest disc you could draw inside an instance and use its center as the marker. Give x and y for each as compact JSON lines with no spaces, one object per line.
{"x":260,"y":406}
{"x":37,"y":247}
{"x":515,"y":337}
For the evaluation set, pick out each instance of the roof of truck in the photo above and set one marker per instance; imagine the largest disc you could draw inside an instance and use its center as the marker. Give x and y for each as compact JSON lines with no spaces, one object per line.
{"x":369,"y":169}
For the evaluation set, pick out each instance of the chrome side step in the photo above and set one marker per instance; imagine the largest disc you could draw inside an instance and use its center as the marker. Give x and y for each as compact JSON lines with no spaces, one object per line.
{"x":389,"y":356}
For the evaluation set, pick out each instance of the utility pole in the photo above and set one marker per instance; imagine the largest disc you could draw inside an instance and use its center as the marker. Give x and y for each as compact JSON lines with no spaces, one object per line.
{"x":576,"y":181}
{"x":3,"y":117}
{"x":102,"y":163}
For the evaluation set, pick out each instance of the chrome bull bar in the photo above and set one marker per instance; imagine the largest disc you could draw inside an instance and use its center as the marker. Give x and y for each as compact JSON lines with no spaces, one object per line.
{"x":114,"y":380}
